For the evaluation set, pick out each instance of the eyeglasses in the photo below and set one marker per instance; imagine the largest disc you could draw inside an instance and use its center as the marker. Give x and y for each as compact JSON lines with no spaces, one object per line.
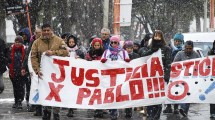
{"x":114,"y":42}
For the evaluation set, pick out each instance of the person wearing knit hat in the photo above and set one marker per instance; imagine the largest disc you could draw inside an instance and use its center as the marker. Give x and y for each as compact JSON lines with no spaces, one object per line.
{"x":96,"y":50}
{"x":179,"y":36}
{"x":177,"y":43}
{"x":128,"y":46}
{"x":115,"y":53}
{"x":95,"y":53}
{"x":176,"y":46}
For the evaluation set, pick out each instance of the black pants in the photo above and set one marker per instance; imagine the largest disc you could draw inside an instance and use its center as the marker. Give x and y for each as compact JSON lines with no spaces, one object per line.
{"x":27,"y":81}
{"x":18,"y":88}
{"x":154,"y":111}
{"x":212,"y":108}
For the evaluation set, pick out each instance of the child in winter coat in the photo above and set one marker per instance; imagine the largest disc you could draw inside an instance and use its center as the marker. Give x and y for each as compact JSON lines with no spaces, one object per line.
{"x":113,"y":53}
{"x":74,"y":52}
{"x":73,"y":49}
{"x":128,"y":46}
{"x":96,"y":50}
{"x":95,"y":53}
{"x":17,"y":57}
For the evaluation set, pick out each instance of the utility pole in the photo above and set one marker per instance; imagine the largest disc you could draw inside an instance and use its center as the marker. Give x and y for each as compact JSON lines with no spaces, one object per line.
{"x":106,"y":12}
{"x":211,"y":14}
{"x":205,"y":16}
{"x":116,"y":24}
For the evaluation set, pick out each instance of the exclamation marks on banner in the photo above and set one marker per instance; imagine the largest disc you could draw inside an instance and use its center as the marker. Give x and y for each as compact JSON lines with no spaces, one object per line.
{"x":156,"y":87}
{"x":209,"y":89}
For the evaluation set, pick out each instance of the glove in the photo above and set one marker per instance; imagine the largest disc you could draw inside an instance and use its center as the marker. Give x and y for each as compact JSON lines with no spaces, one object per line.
{"x":154,"y":49}
{"x":103,"y":60}
{"x":127,"y":60}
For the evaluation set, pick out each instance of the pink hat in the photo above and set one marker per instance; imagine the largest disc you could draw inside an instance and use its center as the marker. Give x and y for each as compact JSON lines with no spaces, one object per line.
{"x":115,"y":38}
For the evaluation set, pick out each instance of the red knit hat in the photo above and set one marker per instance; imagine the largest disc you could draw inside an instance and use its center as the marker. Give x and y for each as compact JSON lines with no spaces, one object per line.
{"x":97,"y":40}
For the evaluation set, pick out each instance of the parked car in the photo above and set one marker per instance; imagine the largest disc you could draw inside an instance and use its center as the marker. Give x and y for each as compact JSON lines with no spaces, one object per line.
{"x":199,"y":51}
{"x":203,"y":40}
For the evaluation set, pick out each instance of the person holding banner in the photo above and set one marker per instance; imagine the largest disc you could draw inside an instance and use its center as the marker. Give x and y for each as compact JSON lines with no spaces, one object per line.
{"x":49,"y":44}
{"x":176,"y":46}
{"x":128,"y":46}
{"x":158,"y":42}
{"x":74,"y":52}
{"x":113,"y":53}
{"x":26,"y":73}
{"x":212,"y":106}
{"x":95,"y":53}
{"x":187,"y":54}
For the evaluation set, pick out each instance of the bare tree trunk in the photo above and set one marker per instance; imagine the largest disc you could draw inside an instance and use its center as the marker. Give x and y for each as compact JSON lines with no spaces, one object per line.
{"x":34,"y":10}
{"x":63,"y":15}
{"x":47,"y":12}
{"x":2,"y":22}
{"x":198,"y":23}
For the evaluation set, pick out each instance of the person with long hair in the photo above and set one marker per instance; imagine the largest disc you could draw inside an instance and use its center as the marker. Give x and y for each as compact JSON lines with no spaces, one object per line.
{"x":158,"y":42}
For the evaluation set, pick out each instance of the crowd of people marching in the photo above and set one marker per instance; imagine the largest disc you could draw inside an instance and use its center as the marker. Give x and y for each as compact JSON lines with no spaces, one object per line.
{"x":103,"y":48}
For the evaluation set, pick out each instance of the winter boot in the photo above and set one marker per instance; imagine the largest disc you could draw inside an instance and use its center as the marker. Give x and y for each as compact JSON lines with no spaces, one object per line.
{"x":176,"y":110}
{"x":70,"y":113}
{"x":14,"y":105}
{"x":128,"y":112}
{"x":98,"y":113}
{"x":114,"y":114}
{"x":19,"y":105}
{"x":168,"y":109}
{"x":56,"y":116}
{"x":46,"y":115}
{"x":38,"y":110}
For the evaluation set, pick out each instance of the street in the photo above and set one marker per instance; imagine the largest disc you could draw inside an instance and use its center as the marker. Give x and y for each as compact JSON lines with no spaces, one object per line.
{"x":197,"y":111}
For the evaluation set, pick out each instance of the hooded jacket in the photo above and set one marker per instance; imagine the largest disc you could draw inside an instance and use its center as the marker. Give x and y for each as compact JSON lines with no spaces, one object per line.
{"x":41,"y":45}
{"x":27,"y":33}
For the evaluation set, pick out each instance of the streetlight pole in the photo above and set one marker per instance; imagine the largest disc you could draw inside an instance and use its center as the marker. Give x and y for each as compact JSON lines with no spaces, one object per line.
{"x":116,"y":24}
{"x":106,"y":11}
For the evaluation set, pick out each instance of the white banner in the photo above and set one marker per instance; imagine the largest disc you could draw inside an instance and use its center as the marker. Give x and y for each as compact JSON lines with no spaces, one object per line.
{"x":192,"y":81}
{"x":77,"y":83}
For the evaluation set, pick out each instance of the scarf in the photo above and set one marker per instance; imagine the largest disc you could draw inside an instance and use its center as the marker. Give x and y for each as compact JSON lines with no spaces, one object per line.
{"x":73,"y":48}
{"x":13,"y":50}
{"x":114,"y":52}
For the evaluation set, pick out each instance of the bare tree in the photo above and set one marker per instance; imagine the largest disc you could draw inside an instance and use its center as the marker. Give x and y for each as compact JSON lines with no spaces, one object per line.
{"x":2,"y":21}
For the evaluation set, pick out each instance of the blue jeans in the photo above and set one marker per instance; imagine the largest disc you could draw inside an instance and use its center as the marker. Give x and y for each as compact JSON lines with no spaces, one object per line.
{"x":185,"y":107}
